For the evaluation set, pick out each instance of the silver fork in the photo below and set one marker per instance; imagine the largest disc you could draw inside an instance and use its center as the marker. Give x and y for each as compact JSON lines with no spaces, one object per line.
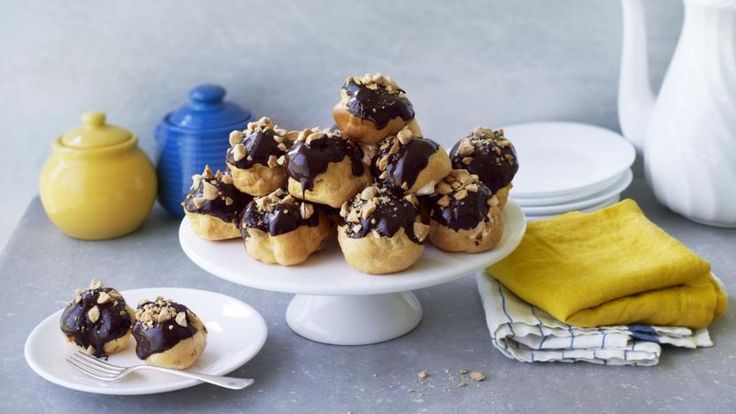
{"x":105,"y":371}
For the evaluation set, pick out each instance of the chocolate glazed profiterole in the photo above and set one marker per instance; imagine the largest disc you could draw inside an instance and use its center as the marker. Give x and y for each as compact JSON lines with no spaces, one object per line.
{"x":381,"y":230}
{"x":98,"y":320}
{"x":410,"y":162}
{"x":465,"y":215}
{"x":214,"y":205}
{"x":489,"y":155}
{"x":325,"y":168}
{"x":371,"y":108}
{"x":168,"y":334}
{"x":253,"y":157}
{"x":279,"y":228}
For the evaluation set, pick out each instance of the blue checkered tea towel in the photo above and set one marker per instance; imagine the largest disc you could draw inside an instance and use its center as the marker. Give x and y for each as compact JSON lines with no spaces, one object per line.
{"x":528,"y":334}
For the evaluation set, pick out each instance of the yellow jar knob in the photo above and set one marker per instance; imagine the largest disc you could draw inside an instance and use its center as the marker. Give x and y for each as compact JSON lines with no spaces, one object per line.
{"x":93,"y":119}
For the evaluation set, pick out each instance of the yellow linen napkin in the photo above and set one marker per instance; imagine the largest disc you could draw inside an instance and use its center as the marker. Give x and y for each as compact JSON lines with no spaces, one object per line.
{"x":611,"y":267}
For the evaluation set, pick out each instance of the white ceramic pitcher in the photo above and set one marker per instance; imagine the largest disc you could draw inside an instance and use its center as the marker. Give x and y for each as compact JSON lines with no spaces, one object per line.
{"x":687,"y":133}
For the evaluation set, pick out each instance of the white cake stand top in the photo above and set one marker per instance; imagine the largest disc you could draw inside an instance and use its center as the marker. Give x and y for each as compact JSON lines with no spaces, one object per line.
{"x":327,"y":272}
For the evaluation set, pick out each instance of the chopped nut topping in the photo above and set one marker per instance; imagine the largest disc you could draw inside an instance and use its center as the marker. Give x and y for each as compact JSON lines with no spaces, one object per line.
{"x":272,"y":161}
{"x":467,"y":160}
{"x":473,"y":188}
{"x":306,"y":210}
{"x":382,"y":163}
{"x":421,"y":230}
{"x":239,"y":152}
{"x":196,"y":180}
{"x":281,"y":160}
{"x":368,"y":209}
{"x":405,"y":135}
{"x":207,"y":173}
{"x":209,"y":191}
{"x":423,"y":374}
{"x":368,"y":193}
{"x":93,"y":314}
{"x":375,"y":81}
{"x":95,"y":284}
{"x":444,"y":201}
{"x":461,"y":194}
{"x":227,"y":179}
{"x":103,"y":298}
{"x":228,"y":201}
{"x":198,"y":202}
{"x":465,"y":147}
{"x":181,"y":319}
{"x":282,"y":147}
{"x":443,"y":188}
{"x":235,"y":137}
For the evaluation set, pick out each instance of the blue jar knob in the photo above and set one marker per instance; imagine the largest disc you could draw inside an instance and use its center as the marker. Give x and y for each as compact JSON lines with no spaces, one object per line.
{"x":192,"y":136}
{"x":206,"y":95}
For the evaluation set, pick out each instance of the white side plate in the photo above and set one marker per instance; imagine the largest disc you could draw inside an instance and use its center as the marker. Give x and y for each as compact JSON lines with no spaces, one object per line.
{"x":236,"y":332}
{"x":589,"y":202}
{"x":561,"y":158}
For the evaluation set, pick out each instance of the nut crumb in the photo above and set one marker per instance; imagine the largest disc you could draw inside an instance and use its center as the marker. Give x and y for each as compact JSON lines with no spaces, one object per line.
{"x":477,"y":376}
{"x":423,"y":374}
{"x":463,"y":371}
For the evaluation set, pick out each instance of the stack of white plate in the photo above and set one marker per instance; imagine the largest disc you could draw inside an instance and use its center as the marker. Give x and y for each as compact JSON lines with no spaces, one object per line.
{"x":568,"y":167}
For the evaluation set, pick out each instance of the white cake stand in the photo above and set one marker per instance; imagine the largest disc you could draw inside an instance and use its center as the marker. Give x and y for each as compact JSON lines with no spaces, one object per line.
{"x":336,"y":304}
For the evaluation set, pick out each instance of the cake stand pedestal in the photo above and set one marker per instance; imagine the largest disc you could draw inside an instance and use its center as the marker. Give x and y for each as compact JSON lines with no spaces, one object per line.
{"x":336,"y":304}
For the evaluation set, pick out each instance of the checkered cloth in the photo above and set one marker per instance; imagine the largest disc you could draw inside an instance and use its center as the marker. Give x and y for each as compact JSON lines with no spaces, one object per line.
{"x":528,"y":334}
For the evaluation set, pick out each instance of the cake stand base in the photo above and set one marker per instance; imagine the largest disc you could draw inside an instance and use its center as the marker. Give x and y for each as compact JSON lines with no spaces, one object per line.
{"x":353,"y":320}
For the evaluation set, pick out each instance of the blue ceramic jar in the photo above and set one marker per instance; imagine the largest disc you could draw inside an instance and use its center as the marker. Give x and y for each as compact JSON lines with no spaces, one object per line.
{"x":191,"y":137}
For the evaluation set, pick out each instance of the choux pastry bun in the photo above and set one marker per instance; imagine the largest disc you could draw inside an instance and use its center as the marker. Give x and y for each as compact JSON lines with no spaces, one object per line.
{"x":381,"y":231}
{"x":410,"y":163}
{"x":279,"y":228}
{"x":489,"y":155}
{"x":253,"y":157}
{"x":98,"y":320}
{"x":214,"y":205}
{"x":168,"y":334}
{"x":371,"y":108}
{"x":465,"y":214}
{"x":325,"y":168}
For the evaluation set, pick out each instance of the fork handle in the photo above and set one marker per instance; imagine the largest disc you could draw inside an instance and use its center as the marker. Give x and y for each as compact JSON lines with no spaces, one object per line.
{"x":222,"y":381}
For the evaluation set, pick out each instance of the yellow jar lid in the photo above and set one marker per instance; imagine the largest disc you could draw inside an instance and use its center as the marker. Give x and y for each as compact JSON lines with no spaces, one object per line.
{"x":95,"y":133}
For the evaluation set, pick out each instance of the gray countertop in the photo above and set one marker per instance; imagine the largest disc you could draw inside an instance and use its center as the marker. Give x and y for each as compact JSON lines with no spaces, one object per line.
{"x":40,"y":267}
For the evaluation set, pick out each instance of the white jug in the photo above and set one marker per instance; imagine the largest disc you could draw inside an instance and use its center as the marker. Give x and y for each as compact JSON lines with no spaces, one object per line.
{"x":687,"y":133}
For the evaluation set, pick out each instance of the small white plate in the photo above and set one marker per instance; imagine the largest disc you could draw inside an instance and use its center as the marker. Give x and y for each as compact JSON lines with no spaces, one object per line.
{"x":562,"y":158}
{"x":620,"y":184}
{"x":236,"y":332}
{"x":591,"y":201}
{"x":613,"y":200}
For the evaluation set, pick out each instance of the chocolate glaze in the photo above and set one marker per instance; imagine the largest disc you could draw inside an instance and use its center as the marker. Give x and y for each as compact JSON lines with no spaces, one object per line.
{"x":405,"y":165}
{"x":161,"y":336}
{"x":494,"y":164}
{"x":260,"y":146}
{"x":378,"y":106}
{"x":305,"y":161}
{"x":283,"y":218}
{"x":390,"y":215}
{"x":463,"y":214}
{"x":114,"y":321}
{"x":218,"y":207}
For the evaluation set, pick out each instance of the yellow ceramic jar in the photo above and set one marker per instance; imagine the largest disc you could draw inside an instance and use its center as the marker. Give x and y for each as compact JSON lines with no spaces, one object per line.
{"x":98,"y":184}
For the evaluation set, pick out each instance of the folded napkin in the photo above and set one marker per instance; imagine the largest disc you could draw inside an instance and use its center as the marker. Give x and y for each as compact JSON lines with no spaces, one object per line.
{"x":529,"y":334}
{"x":611,"y":267}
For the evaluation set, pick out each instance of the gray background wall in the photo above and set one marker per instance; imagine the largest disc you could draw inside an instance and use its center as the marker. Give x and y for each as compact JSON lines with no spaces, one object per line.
{"x":463,"y":63}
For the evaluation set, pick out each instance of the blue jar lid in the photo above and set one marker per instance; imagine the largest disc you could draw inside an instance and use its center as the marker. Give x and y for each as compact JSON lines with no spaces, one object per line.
{"x":207,"y":110}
